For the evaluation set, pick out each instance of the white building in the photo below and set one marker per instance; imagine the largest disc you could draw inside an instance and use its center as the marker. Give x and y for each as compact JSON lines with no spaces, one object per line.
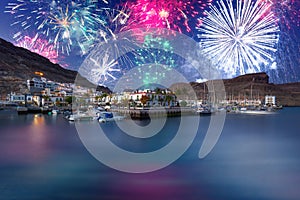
{"x":20,"y":98}
{"x":36,"y":84}
{"x":270,"y":100}
{"x":163,"y":98}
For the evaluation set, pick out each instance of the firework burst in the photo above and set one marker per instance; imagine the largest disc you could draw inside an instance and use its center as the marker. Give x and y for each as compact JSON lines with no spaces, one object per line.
{"x":113,"y":21}
{"x":239,"y":38}
{"x":103,"y":69}
{"x":173,"y":15}
{"x":62,"y":22}
{"x":287,"y":11}
{"x":39,"y":46}
{"x":155,"y":53}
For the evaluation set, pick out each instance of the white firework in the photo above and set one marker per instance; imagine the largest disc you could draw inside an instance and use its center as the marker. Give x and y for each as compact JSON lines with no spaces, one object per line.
{"x":103,"y":69}
{"x":239,"y":38}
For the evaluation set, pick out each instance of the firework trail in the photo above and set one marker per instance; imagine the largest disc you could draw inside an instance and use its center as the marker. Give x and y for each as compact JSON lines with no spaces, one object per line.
{"x":103,"y":70}
{"x":39,"y":46}
{"x":287,"y":12}
{"x":287,"y":56}
{"x":175,"y":15}
{"x":113,"y":21}
{"x":62,"y":22}
{"x":155,"y":52}
{"x":239,"y":38}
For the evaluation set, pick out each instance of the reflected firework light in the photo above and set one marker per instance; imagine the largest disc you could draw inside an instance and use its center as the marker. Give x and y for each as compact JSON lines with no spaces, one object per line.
{"x":240,"y":37}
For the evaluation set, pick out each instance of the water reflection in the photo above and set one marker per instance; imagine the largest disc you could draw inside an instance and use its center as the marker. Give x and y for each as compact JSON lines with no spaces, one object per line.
{"x":256,"y":158}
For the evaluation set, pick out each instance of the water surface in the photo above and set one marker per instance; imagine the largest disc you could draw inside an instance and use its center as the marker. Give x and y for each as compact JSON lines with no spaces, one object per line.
{"x":256,"y":158}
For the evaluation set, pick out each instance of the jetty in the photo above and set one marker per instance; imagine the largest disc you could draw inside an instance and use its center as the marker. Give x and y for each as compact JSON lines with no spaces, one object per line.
{"x":146,"y":113}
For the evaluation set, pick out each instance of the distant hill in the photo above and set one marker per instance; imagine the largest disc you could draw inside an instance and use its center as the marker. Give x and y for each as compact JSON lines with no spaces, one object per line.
{"x":18,"y":65}
{"x":240,"y":87}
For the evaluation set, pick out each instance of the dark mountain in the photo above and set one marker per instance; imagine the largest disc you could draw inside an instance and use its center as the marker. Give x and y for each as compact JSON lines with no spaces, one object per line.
{"x":255,"y":85}
{"x":18,"y":65}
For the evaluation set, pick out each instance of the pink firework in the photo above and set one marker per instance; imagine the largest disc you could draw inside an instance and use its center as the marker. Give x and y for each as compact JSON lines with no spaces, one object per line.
{"x":175,"y":15}
{"x":287,"y":11}
{"x":39,"y":46}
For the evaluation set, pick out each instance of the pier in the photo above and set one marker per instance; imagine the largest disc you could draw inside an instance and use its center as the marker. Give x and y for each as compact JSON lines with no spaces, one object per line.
{"x":154,"y":112}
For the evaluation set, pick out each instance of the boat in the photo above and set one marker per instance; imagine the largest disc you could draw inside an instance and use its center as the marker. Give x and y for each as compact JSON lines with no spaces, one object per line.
{"x":22,"y":110}
{"x":55,"y":112}
{"x":79,"y":117}
{"x":204,"y":111}
{"x":256,"y":111}
{"x":108,"y":117}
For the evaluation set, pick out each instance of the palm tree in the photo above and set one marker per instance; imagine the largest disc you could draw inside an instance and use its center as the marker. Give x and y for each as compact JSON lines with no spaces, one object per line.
{"x":168,"y":99}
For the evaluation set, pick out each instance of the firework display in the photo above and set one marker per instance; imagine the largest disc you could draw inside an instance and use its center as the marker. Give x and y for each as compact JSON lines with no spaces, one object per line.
{"x":287,"y":56}
{"x":155,"y":53}
{"x":113,"y":21}
{"x":63,"y":22}
{"x":287,"y":12}
{"x":240,"y":38}
{"x":170,"y":14}
{"x":103,"y":69}
{"x":39,"y":46}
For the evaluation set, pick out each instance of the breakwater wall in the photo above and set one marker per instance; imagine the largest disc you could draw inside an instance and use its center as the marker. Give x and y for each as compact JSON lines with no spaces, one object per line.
{"x":154,"y":112}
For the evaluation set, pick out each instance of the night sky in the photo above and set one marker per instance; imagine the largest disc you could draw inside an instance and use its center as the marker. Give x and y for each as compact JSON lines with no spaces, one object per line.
{"x":287,"y":56}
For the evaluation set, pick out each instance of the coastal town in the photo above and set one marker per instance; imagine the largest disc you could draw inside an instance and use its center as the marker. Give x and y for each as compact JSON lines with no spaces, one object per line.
{"x":50,"y":97}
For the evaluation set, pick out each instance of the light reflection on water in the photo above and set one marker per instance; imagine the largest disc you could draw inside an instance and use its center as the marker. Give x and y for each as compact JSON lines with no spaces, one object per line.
{"x":257,"y":157}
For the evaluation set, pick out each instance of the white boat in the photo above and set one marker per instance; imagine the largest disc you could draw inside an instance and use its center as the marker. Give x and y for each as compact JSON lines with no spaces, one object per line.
{"x":22,"y":110}
{"x":108,"y":116}
{"x":79,"y":117}
{"x":204,"y":111}
{"x":55,"y":112}
{"x":256,"y":112}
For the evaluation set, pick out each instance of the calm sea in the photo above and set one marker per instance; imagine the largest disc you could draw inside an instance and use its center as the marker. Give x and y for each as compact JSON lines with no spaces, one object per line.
{"x":256,"y":158}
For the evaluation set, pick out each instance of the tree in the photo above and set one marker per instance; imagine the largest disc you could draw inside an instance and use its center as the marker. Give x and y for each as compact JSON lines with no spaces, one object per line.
{"x":58,"y":103}
{"x":144,"y":100}
{"x":46,"y":97}
{"x":70,"y":99}
{"x":104,"y":95}
{"x":97,"y":98}
{"x":169,"y":98}
{"x":158,"y":90}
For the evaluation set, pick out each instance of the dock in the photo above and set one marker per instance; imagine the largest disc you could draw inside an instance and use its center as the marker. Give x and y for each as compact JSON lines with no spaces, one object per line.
{"x":154,"y":112}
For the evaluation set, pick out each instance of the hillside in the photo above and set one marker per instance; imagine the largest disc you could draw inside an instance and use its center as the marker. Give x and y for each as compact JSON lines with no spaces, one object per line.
{"x":19,"y":64}
{"x":240,"y":88}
